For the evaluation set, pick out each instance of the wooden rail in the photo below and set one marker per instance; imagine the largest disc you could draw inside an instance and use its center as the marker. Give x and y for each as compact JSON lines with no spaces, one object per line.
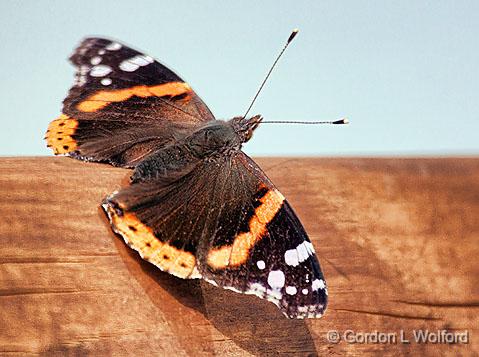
{"x":398,"y":240}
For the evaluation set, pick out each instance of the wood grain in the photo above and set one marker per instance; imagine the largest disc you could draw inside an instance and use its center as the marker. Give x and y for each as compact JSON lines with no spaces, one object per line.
{"x":398,"y":240}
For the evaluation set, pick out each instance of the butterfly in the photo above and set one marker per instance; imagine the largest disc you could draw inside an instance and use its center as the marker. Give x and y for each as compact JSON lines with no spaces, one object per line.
{"x":196,"y":206}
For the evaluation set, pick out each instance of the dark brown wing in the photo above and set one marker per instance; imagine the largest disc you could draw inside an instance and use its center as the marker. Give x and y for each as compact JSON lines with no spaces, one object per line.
{"x":124,"y":104}
{"x":226,"y":222}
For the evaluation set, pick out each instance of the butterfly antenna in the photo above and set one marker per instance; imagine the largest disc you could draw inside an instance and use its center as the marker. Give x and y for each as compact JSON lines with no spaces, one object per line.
{"x":340,"y":121}
{"x":290,"y":38}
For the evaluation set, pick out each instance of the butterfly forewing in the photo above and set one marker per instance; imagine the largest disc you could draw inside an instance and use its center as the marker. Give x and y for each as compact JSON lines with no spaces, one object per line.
{"x":123,"y":106}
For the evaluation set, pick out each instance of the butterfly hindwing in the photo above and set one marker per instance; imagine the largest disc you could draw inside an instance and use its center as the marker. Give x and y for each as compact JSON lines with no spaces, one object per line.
{"x":165,"y":218}
{"x":123,"y":106}
{"x":226,"y":222}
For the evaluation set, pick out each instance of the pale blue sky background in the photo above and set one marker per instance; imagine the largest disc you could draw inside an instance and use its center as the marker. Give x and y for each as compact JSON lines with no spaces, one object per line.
{"x":406,"y":73}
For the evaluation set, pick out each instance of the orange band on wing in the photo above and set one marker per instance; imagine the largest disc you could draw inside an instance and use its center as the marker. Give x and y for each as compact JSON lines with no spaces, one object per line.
{"x":238,"y":252}
{"x":141,"y":238}
{"x":59,"y":135}
{"x":102,"y":98}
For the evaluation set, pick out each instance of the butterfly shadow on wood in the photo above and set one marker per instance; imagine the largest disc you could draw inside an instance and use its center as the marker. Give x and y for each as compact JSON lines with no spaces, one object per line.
{"x":255,"y":325}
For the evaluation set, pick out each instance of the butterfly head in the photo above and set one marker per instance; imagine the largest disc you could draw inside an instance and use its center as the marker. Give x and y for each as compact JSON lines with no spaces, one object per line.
{"x":244,"y":127}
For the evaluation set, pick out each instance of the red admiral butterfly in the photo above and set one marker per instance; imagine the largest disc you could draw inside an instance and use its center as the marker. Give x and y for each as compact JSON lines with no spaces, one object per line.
{"x":197,"y":206}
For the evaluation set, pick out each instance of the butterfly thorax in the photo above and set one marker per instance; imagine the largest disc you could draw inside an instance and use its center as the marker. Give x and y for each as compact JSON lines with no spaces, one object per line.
{"x":220,"y":138}
{"x":214,"y":139}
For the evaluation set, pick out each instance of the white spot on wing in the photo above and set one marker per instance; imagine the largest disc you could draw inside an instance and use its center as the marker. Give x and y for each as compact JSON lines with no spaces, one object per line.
{"x":114,"y":46}
{"x":318,"y":284}
{"x":127,"y":66}
{"x":106,"y":81}
{"x":310,"y":247}
{"x":141,"y":60}
{"x":291,"y":290}
{"x":100,"y":70}
{"x":136,"y":62}
{"x":95,"y":60}
{"x":305,"y":291}
{"x":303,"y":253}
{"x":291,"y":257}
{"x":101,"y":52}
{"x":148,"y":59}
{"x":276,"y":279}
{"x":300,"y":254}
{"x":261,"y":264}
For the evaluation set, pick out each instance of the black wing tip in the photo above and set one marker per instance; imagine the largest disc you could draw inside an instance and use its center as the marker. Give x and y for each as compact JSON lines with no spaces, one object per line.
{"x":79,"y":57}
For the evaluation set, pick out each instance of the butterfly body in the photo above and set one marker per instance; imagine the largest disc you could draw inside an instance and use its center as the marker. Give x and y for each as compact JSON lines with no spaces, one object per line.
{"x":213,"y":141}
{"x":197,"y":206}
